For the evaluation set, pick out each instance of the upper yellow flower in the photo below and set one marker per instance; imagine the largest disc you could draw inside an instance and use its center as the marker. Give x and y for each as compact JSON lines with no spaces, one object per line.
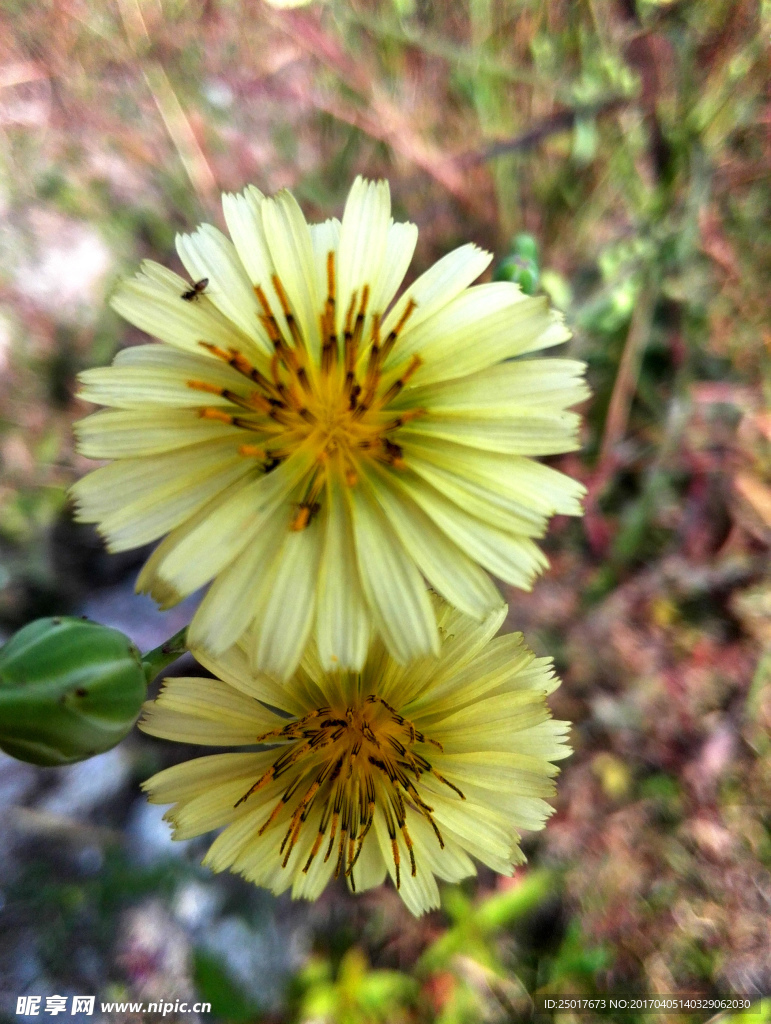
{"x":319,"y":450}
{"x":395,"y":770}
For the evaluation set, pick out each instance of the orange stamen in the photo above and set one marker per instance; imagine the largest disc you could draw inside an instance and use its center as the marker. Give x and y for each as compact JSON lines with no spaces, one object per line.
{"x":253,"y":451}
{"x":215,"y":414}
{"x":394,"y":334}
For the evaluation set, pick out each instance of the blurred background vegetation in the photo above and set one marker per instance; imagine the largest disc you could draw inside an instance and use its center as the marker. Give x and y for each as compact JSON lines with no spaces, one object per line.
{"x":629,"y":139}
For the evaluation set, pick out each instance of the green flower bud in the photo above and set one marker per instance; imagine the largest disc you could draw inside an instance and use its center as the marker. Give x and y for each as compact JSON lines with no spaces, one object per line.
{"x":521,"y":271}
{"x":526,"y":247}
{"x":69,"y":689}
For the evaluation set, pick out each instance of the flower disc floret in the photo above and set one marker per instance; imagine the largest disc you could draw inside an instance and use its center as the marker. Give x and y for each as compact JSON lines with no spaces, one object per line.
{"x":409,"y":772}
{"x":318,"y":450}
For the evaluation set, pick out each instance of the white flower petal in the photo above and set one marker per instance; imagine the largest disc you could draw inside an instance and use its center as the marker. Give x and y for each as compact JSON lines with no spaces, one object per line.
{"x":363,"y":241}
{"x":526,"y":386}
{"x":471,"y":734}
{"x":213,"y":701}
{"x":527,"y":485}
{"x":310,"y":885}
{"x":433,"y":290}
{"x":325,"y":238}
{"x":212,"y":809}
{"x":149,"y":518}
{"x":207,"y":253}
{"x":285,"y":612}
{"x":234,"y":668}
{"x":485,"y":713}
{"x":152,"y":301}
{"x":511,"y":558}
{"x":443,"y":563}
{"x":450,"y":862}
{"x":370,"y":869}
{"x":463,"y":640}
{"x":393,"y":587}
{"x":521,"y":773}
{"x":480,"y":327}
{"x":400,"y":248}
{"x":229,"y":606}
{"x":342,"y":620}
{"x":130,"y":433}
{"x":498,"y":510}
{"x":478,"y":828}
{"x":184,"y":781}
{"x":547,"y":434}
{"x":138,"y":500}
{"x":109,"y":488}
{"x":149,"y":582}
{"x":225,"y":533}
{"x":167,"y":724}
{"x":498,"y":667}
{"x":420,"y":894}
{"x":547,"y":739}
{"x":522,"y":810}
{"x":228,"y":847}
{"x":291,"y":249}
{"x":243,"y":216}
{"x":157,"y":375}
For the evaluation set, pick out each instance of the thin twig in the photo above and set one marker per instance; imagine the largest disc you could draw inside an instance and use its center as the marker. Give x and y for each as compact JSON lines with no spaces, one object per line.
{"x":383,"y":119}
{"x":625,"y":384}
{"x":561,"y":121}
{"x":436,"y":46}
{"x":169,"y":107}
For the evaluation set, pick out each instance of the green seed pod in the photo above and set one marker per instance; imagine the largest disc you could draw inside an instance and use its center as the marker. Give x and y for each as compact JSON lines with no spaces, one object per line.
{"x":69,"y":689}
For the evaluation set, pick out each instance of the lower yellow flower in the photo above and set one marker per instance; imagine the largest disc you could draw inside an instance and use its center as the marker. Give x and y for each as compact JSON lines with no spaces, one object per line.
{"x":398,"y":770}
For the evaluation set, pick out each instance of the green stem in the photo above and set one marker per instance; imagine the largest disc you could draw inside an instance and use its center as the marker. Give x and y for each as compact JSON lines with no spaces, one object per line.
{"x":155,"y":661}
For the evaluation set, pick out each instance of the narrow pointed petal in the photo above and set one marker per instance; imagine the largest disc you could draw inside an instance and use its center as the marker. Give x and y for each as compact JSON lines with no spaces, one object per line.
{"x":232,"y":601}
{"x":291,"y":249}
{"x":392,"y":583}
{"x":342,"y":620}
{"x":219,"y":539}
{"x":156,"y":375}
{"x":437,"y":287}
{"x":400,"y":248}
{"x":209,"y":254}
{"x":511,"y":558}
{"x":447,"y":568}
{"x":286,"y":610}
{"x":152,"y":301}
{"x":363,"y":241}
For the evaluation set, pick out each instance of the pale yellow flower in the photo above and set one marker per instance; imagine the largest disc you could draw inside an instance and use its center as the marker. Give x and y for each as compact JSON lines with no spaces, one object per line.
{"x":318,"y":450}
{"x":409,"y":772}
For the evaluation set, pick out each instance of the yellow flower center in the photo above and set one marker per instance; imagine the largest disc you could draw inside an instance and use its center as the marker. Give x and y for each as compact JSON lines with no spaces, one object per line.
{"x":338,"y":410}
{"x":348,"y":759}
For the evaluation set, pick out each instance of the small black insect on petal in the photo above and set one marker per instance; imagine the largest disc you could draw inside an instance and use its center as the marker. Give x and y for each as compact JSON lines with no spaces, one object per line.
{"x":198,"y":289}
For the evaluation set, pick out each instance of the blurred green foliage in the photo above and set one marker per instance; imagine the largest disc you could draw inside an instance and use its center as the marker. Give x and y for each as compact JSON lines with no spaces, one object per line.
{"x":216,"y":985}
{"x":355,"y":993}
